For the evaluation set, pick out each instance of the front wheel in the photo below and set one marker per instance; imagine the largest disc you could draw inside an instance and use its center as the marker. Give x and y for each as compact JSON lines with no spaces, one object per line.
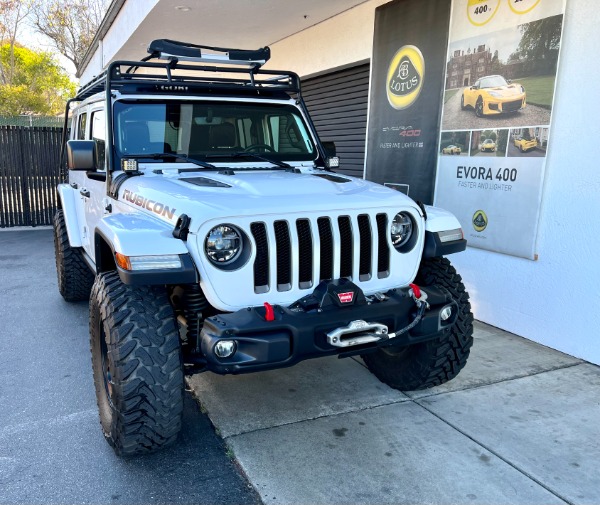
{"x":137,"y":366}
{"x":462,"y":102}
{"x":431,"y":363}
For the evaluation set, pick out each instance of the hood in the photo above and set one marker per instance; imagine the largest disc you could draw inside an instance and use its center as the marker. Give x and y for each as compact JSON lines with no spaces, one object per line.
{"x":507,"y":91}
{"x":206,"y":195}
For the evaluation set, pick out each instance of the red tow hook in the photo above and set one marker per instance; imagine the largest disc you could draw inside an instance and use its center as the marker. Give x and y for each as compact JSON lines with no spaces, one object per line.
{"x":420,"y":297}
{"x":269,"y":314}
{"x":416,"y":290}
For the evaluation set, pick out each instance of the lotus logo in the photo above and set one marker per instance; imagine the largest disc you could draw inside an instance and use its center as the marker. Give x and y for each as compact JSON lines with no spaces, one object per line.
{"x":403,"y":70}
{"x":405,"y":77}
{"x":480,"y":220}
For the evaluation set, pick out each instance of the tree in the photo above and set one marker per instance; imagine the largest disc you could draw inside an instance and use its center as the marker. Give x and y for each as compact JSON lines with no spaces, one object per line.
{"x":539,"y":44}
{"x":39,"y":85}
{"x":12,"y":14}
{"x":70,"y":24}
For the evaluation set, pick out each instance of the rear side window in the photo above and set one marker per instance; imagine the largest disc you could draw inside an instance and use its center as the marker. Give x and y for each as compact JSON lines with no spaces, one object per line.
{"x":99,"y":135}
{"x":81,"y":124}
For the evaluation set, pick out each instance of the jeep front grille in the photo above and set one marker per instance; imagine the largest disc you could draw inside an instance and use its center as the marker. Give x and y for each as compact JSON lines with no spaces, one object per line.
{"x":359,"y":238}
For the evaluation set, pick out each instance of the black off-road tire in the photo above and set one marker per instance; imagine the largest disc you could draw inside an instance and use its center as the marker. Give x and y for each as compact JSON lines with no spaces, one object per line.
{"x":462,"y":102}
{"x":137,"y":365}
{"x":74,"y":277}
{"x":428,"y":364}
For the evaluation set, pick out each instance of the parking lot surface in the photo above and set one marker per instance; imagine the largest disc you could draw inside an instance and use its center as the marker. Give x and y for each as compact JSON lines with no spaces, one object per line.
{"x":51,"y":446}
{"x":519,"y":425}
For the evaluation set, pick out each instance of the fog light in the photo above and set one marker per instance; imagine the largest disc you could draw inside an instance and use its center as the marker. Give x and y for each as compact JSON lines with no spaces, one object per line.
{"x":445,"y":313}
{"x":225,"y":348}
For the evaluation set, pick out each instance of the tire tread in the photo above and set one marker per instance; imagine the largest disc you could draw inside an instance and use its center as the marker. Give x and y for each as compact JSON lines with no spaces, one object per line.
{"x":437,"y":361}
{"x":75,"y":278}
{"x":144,"y":351}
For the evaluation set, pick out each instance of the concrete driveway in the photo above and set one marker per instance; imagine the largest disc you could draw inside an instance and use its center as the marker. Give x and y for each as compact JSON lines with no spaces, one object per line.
{"x":519,"y":425}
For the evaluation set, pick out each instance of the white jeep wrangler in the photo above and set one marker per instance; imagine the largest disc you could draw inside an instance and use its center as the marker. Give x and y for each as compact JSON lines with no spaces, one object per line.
{"x":205,"y":225}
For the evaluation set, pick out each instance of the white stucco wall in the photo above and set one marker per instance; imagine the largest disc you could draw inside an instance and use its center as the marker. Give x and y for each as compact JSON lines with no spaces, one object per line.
{"x":336,"y":42}
{"x":556,"y":300}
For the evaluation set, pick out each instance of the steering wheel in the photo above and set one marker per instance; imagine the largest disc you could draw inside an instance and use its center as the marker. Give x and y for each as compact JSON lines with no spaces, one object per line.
{"x":254,"y":147}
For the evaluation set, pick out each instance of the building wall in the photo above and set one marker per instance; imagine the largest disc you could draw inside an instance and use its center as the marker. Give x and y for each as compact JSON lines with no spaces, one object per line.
{"x":334,"y":43}
{"x":127,"y":20}
{"x":556,"y":299}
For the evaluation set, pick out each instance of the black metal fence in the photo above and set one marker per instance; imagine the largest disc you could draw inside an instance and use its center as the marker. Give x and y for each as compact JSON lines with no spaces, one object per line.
{"x":29,"y":159}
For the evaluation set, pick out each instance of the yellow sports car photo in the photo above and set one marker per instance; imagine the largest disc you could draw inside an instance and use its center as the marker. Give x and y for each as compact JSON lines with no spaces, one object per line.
{"x":488,"y":145}
{"x":525,"y":144}
{"x":451,"y":150}
{"x":493,"y":95}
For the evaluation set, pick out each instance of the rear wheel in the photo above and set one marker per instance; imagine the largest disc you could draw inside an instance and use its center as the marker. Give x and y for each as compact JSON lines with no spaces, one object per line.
{"x":74,"y":277}
{"x":431,"y":363}
{"x":137,"y":366}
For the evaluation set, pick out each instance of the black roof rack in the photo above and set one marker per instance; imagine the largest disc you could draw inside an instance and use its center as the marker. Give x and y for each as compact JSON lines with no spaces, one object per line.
{"x":240,"y":71}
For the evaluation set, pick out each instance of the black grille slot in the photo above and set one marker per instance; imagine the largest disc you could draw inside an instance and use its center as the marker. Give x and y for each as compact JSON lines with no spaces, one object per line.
{"x":366,"y":248}
{"x":261,"y":263}
{"x":383,"y":256}
{"x":284,"y":256}
{"x":346,"y":246}
{"x":326,"y":256}
{"x":305,"y":253}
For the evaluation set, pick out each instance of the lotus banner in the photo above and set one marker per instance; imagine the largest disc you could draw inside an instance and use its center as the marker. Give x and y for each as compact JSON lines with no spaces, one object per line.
{"x":498,"y":95}
{"x":407,"y":71}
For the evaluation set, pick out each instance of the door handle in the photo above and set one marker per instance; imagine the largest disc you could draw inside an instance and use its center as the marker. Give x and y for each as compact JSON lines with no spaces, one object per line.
{"x":84,"y":192}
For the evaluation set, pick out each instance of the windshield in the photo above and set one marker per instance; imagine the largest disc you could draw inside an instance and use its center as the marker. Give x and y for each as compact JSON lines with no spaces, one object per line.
{"x":494,"y":81}
{"x":210,"y":130}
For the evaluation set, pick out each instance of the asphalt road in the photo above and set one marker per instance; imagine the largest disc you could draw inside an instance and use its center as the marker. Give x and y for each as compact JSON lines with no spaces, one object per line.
{"x":456,"y":119}
{"x":51,"y":446}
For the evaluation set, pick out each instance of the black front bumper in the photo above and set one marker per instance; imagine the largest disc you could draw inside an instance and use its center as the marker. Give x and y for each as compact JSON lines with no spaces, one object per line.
{"x":299,"y":332}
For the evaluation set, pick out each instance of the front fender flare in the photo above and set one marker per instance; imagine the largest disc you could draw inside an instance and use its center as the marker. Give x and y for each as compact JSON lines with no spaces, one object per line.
{"x":68,"y":202}
{"x":139,"y":235}
{"x":439,"y":220}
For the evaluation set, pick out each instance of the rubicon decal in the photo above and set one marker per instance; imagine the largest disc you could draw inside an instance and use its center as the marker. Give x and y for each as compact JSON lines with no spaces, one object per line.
{"x":159,"y":208}
{"x":405,"y":77}
{"x":346,"y":297}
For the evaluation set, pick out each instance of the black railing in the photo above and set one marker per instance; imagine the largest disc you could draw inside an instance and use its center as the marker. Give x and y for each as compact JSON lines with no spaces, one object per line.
{"x":29,"y":160}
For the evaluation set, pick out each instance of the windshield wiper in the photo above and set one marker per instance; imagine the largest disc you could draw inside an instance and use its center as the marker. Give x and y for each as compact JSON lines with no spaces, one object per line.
{"x":165,"y":156}
{"x":242,"y":154}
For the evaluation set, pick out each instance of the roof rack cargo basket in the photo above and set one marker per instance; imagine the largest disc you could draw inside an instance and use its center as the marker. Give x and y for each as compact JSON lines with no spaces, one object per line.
{"x":183,"y":67}
{"x":166,"y":49}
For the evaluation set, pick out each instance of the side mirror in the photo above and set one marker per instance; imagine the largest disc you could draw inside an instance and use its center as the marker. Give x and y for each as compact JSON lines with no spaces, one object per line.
{"x":332,"y":160}
{"x":81,"y":155}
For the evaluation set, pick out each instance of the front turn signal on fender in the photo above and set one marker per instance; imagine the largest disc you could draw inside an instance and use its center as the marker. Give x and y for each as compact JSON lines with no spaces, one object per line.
{"x":137,"y":263}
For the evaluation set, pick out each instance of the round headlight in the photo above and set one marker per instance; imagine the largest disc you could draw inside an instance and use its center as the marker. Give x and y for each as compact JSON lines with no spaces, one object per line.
{"x":401,"y":230}
{"x":223,"y":244}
